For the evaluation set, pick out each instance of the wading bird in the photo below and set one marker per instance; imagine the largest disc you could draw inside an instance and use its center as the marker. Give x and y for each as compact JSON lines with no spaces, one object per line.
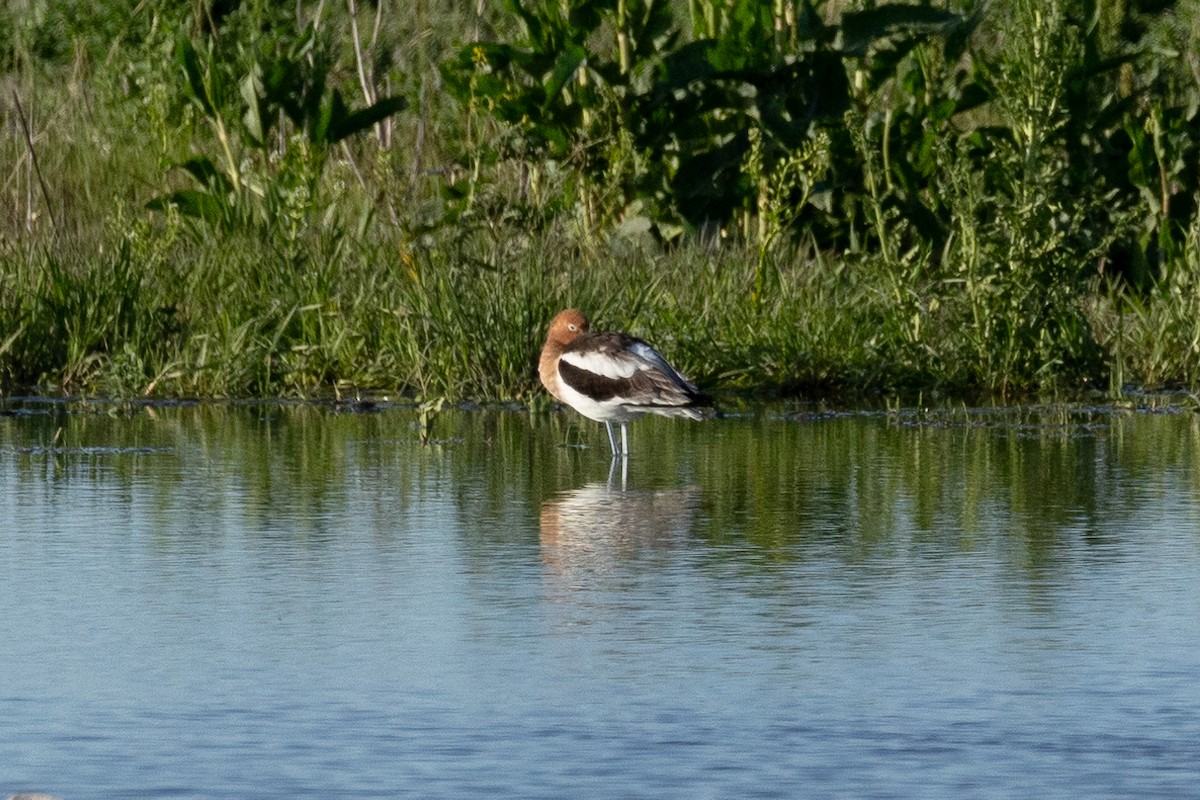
{"x":613,"y":377}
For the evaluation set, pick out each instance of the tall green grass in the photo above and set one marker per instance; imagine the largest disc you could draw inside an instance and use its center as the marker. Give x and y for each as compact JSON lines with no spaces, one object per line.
{"x":921,"y":241}
{"x":238,"y":321}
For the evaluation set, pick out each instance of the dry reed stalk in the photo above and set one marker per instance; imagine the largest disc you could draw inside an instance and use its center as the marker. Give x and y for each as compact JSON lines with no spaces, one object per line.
{"x":33,"y":160}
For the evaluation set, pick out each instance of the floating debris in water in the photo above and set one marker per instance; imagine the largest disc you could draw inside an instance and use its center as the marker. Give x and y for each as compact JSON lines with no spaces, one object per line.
{"x":51,"y":450}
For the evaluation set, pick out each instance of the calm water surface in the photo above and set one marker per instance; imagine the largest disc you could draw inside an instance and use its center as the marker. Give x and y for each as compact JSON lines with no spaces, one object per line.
{"x":293,"y":601}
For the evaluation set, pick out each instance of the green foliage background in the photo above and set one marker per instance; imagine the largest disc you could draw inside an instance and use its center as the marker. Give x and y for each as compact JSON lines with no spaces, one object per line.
{"x":242,"y":197}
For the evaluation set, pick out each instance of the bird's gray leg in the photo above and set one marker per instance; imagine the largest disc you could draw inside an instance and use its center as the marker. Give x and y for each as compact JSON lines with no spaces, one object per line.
{"x":612,"y":438}
{"x":624,"y":440}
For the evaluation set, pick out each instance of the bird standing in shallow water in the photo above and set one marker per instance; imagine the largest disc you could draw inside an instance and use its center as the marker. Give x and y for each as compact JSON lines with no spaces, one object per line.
{"x":613,"y":377}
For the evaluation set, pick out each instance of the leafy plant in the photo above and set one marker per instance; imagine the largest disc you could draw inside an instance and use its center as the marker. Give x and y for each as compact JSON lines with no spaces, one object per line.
{"x":567,"y":97}
{"x":293,"y":85}
{"x":686,"y":108}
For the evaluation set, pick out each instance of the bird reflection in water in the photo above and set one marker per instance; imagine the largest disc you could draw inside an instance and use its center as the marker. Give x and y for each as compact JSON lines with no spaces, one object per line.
{"x":594,"y":528}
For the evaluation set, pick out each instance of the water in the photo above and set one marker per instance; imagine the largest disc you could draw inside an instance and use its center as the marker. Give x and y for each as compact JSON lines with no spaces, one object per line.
{"x":293,"y":601}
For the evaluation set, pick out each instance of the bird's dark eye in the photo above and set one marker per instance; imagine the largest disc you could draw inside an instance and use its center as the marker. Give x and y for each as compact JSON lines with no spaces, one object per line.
{"x":572,"y":327}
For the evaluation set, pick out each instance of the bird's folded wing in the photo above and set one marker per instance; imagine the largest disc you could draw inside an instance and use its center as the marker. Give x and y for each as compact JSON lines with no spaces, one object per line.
{"x":622,"y":377}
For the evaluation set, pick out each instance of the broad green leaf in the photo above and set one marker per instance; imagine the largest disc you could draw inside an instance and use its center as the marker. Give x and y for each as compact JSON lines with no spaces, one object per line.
{"x":564,"y":69}
{"x":349,"y":124}
{"x":252,"y":94}
{"x":205,"y":172}
{"x":554,"y":138}
{"x":584,"y":17}
{"x":942,"y":110}
{"x":690,"y":63}
{"x":194,"y":74}
{"x":959,"y":39}
{"x":192,"y":203}
{"x":319,"y":124}
{"x":860,"y":29}
{"x":533,"y":24}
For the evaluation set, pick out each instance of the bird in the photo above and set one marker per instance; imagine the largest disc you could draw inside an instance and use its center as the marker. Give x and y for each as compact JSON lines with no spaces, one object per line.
{"x":613,"y":377}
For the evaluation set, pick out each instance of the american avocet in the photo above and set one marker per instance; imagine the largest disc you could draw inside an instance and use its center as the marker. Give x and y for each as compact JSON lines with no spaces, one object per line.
{"x":612,"y":377}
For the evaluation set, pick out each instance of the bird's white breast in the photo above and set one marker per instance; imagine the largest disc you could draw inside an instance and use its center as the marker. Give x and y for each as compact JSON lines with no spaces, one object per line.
{"x":614,"y":409}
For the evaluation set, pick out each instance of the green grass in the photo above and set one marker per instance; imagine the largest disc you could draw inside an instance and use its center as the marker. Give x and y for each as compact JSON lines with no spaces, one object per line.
{"x":234,"y":320}
{"x":426,"y":258}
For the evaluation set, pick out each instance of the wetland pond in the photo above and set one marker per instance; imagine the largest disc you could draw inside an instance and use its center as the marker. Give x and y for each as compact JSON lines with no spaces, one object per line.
{"x":289,"y":601}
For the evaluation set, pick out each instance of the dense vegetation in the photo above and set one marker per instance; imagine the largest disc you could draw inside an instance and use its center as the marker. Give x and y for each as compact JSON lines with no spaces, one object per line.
{"x":244,"y":197}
